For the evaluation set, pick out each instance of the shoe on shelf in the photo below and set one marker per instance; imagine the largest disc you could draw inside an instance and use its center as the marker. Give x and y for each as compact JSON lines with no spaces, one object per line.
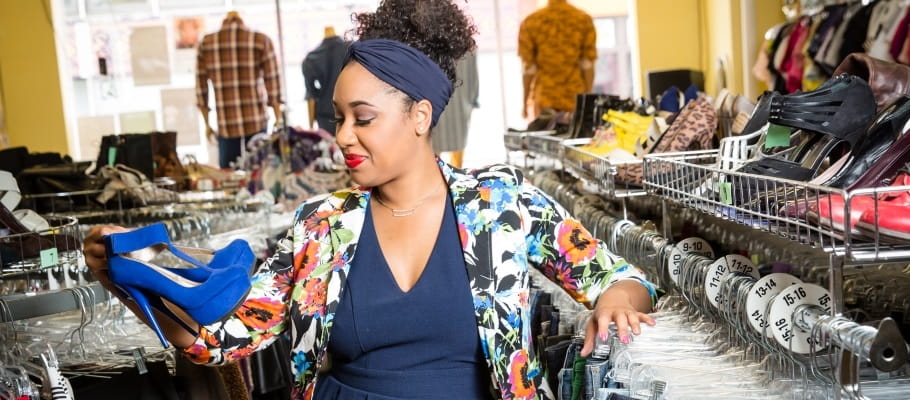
{"x":888,"y":80}
{"x":214,"y":294}
{"x":884,"y":132}
{"x":835,"y":116}
{"x":889,"y":220}
{"x":28,"y":233}
{"x":880,"y":137}
{"x":828,"y":211}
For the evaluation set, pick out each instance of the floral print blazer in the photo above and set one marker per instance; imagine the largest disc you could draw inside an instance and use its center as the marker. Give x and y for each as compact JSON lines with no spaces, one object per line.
{"x":506,"y":225}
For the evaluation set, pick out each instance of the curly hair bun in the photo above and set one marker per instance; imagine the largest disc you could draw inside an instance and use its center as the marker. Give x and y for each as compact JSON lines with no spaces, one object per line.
{"x":438,"y":28}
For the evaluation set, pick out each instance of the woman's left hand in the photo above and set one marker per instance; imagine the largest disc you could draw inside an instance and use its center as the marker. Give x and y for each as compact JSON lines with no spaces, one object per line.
{"x":620,"y":304}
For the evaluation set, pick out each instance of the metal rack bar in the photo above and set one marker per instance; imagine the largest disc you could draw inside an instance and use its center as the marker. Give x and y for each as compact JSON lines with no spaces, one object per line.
{"x":884,"y":346}
{"x":31,"y":305}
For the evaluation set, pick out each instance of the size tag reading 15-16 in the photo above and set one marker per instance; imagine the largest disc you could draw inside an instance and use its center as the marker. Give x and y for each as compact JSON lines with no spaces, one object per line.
{"x":785,"y":331}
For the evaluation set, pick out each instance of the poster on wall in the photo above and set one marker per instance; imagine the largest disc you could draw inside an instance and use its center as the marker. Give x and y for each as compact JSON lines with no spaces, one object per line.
{"x":179,"y":113}
{"x":91,"y":130}
{"x":149,"y":55}
{"x":137,"y":122}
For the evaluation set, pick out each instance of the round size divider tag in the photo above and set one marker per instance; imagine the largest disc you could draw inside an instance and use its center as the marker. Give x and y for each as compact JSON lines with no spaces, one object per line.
{"x":785,"y":331}
{"x":761,"y":295}
{"x":723,"y":266}
{"x":689,"y":245}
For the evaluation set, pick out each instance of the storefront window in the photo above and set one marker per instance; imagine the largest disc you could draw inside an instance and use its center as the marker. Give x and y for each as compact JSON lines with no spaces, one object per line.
{"x":130,"y":64}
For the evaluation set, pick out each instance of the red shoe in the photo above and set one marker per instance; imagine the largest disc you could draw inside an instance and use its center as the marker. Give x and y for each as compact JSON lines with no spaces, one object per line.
{"x":828,"y":212}
{"x":893,"y":219}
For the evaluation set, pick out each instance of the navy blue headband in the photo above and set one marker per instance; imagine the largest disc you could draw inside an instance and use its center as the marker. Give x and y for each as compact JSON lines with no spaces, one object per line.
{"x":406,"y":69}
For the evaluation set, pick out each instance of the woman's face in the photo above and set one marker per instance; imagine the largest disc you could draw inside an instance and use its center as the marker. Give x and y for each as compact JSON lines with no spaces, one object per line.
{"x":378,"y":135}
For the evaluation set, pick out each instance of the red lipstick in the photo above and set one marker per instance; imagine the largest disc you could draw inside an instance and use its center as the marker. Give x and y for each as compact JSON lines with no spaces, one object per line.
{"x":353,"y":160}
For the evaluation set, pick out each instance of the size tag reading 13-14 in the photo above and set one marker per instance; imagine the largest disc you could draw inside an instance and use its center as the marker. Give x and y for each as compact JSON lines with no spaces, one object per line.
{"x":761,"y":295}
{"x":689,"y":245}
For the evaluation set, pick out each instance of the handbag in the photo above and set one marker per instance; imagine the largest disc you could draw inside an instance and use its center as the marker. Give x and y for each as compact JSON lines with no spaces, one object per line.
{"x":165,"y":160}
{"x":133,"y":150}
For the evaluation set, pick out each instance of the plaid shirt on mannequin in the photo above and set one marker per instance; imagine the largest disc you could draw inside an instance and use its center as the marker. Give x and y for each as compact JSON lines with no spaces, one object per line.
{"x":243,"y":69}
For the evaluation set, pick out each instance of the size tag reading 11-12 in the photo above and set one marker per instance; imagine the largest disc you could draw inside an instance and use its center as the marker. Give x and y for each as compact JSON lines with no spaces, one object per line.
{"x":720,"y":268}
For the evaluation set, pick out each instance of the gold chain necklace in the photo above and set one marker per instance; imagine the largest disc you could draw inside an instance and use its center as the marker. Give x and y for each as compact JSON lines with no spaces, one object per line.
{"x":404,"y":212}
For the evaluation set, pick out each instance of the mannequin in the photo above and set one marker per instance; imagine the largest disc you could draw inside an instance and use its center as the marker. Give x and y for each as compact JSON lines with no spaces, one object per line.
{"x":557,"y":46}
{"x":328,"y":33}
{"x":240,"y":106}
{"x":320,"y":70}
{"x":450,"y":134}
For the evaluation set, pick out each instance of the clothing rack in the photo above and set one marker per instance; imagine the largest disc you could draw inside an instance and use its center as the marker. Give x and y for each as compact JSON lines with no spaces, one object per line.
{"x":883,"y":346}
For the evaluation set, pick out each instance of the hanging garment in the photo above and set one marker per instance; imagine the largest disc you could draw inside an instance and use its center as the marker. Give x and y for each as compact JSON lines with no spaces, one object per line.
{"x":321,"y":68}
{"x":832,"y":56}
{"x":792,"y":66}
{"x":451,"y":132}
{"x":832,"y":15}
{"x":900,"y":35}
{"x":778,"y":54}
{"x":857,"y":31}
{"x":889,"y":22}
{"x":556,"y":40}
{"x":836,"y":18}
{"x":235,"y":59}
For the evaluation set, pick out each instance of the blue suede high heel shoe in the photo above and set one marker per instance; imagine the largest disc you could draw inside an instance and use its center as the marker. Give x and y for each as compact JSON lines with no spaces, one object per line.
{"x":206,"y":293}
{"x":142,"y":240}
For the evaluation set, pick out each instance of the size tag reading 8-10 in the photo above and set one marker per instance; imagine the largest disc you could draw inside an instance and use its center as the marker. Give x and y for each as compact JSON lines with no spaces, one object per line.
{"x":761,"y":295}
{"x":689,"y":245}
{"x":721,"y":267}
{"x":785,"y":331}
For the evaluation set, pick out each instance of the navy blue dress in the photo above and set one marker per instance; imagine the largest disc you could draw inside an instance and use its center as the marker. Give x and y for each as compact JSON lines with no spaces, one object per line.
{"x":421,"y":344}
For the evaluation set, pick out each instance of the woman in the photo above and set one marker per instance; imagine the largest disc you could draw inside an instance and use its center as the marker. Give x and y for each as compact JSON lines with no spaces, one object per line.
{"x":416,"y":281}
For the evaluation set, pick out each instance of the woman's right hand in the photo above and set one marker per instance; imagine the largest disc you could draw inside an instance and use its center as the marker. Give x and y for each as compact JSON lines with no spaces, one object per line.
{"x":96,"y":258}
{"x":96,"y":254}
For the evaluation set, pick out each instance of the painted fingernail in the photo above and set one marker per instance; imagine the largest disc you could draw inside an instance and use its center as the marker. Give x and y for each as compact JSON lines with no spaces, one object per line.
{"x":624,"y":339}
{"x":603,"y":336}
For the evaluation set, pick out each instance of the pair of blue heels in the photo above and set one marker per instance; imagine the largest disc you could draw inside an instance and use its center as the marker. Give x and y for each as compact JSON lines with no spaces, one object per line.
{"x":207,"y":292}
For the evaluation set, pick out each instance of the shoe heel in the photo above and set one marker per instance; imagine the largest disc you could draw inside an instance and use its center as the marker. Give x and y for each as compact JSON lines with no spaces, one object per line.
{"x":146,"y":308}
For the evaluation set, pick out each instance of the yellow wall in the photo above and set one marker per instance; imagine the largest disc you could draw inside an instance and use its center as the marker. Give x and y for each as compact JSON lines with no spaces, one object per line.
{"x":723,"y":42}
{"x":669,"y":36}
{"x":32,"y":101}
{"x":696,"y":34}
